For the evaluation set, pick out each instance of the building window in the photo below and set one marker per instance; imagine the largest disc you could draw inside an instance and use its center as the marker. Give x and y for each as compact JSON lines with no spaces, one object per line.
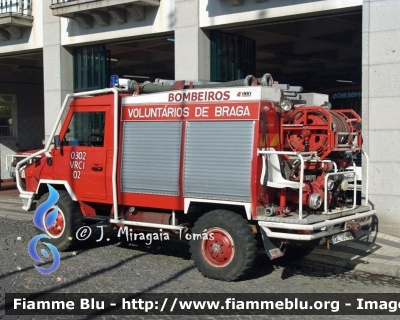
{"x":7,"y":114}
{"x":232,"y":56}
{"x":91,"y":68}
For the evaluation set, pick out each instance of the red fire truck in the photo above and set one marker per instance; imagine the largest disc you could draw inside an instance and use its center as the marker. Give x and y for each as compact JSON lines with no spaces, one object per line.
{"x":222,"y":165}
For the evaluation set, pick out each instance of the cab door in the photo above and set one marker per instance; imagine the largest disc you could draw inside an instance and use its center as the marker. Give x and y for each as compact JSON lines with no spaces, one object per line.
{"x":82,"y":157}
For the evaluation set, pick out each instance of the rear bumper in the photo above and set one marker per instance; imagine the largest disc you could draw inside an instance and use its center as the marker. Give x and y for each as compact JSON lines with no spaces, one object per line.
{"x":303,"y":230}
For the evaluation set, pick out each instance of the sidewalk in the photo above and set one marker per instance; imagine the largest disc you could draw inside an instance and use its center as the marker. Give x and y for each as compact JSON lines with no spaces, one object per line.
{"x":373,"y":251}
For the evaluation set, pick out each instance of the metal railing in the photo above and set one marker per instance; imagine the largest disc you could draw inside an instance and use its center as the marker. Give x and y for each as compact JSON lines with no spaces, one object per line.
{"x":302,"y":157}
{"x":308,"y":156}
{"x":22,"y":7}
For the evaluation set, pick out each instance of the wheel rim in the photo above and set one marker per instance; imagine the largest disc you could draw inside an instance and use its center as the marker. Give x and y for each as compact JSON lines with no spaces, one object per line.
{"x":57,"y":228}
{"x":218,"y":247}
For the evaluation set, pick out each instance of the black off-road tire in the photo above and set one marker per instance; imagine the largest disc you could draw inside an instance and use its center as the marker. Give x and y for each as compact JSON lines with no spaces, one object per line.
{"x":69,"y":211}
{"x":227,"y":248}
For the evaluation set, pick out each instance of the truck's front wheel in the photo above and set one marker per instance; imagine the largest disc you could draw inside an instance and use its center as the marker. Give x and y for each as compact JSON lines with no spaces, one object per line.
{"x":222,"y":245}
{"x":69,"y":219}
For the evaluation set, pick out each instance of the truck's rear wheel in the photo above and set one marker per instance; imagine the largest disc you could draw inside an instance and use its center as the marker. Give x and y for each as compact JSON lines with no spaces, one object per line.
{"x":69,"y":219}
{"x":223,"y":245}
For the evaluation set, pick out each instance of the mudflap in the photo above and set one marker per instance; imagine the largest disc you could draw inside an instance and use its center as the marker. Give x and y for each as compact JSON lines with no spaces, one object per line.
{"x":272,"y":251}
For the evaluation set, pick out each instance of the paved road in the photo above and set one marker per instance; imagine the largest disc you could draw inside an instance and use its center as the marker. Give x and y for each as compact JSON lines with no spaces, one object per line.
{"x":163,"y":267}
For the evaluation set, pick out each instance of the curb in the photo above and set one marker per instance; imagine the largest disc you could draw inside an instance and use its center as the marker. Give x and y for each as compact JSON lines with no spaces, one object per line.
{"x":17,"y":216}
{"x":375,"y":268}
{"x":11,"y":213}
{"x":10,"y":198}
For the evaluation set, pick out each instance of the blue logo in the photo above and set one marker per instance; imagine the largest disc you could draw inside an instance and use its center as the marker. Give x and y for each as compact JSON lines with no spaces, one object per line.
{"x":44,"y":222}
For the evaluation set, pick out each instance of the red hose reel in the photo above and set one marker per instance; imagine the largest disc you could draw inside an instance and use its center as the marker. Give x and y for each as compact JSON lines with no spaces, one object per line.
{"x":317,"y":129}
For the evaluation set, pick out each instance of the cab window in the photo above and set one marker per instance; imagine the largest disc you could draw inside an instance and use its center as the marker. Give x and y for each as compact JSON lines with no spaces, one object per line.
{"x":85,"y":129}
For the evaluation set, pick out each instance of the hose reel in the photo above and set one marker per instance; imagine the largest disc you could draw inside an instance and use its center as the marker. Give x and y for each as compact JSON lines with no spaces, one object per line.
{"x":315,"y":129}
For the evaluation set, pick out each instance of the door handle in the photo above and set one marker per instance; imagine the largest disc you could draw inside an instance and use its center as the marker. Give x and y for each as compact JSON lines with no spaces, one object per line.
{"x":97,"y":168}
